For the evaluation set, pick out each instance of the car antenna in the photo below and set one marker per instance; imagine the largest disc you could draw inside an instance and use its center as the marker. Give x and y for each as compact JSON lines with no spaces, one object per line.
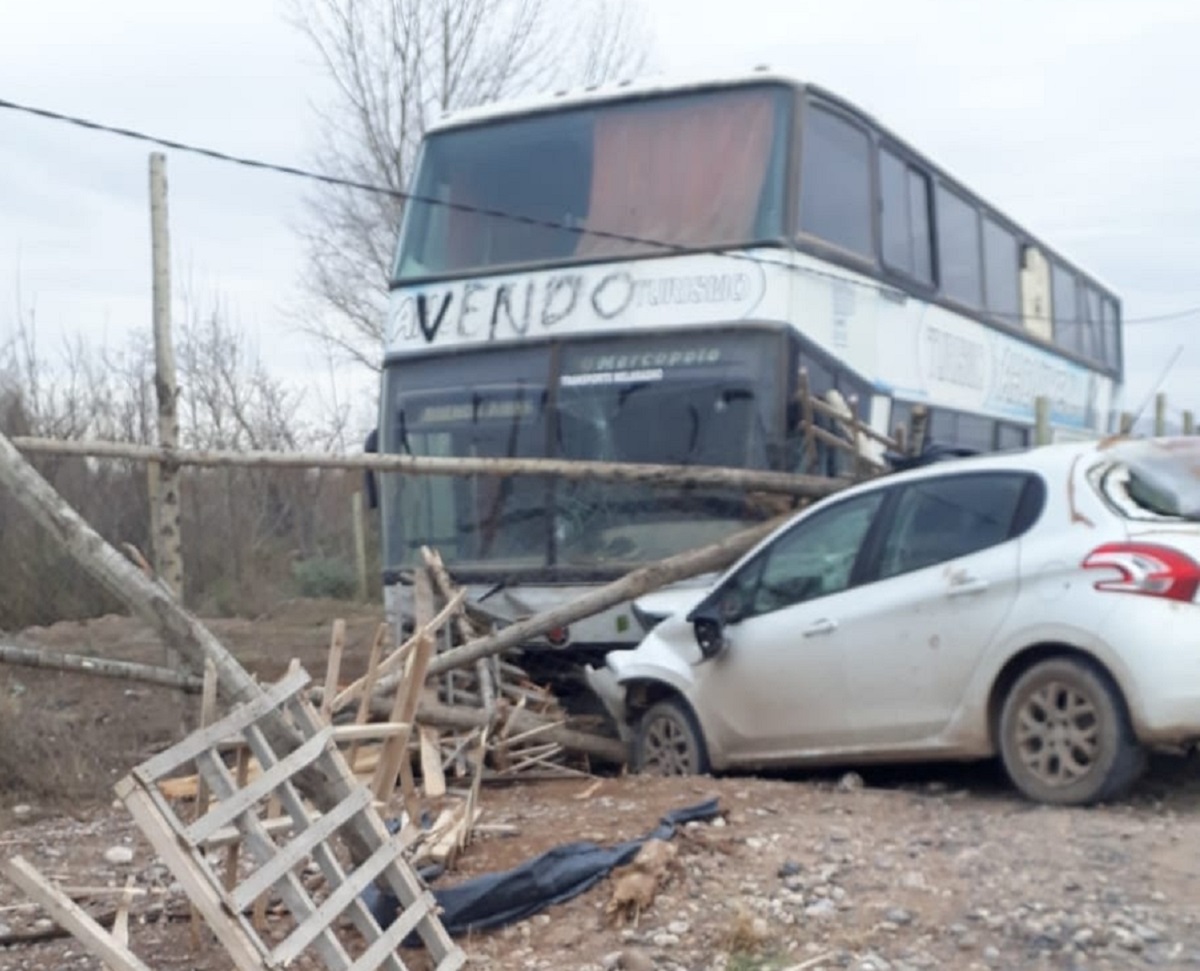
{"x":1157,"y":384}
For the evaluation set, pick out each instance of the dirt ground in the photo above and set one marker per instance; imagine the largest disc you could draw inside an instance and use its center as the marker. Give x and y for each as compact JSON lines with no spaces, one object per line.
{"x":920,"y":867}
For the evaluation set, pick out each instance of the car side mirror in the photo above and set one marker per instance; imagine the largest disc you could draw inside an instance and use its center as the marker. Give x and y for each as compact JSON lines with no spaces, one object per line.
{"x":709,"y":631}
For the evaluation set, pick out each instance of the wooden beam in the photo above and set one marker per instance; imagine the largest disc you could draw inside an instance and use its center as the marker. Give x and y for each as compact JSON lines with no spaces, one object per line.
{"x":100,"y":667}
{"x":337,"y":646}
{"x":70,"y":916}
{"x":368,"y":685}
{"x":757,"y":480}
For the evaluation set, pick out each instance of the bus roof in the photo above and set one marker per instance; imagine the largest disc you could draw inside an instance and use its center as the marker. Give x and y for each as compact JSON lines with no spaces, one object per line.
{"x":609,"y":91}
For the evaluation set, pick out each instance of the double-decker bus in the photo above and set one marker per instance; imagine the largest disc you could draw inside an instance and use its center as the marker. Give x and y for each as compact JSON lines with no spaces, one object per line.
{"x":640,"y":273}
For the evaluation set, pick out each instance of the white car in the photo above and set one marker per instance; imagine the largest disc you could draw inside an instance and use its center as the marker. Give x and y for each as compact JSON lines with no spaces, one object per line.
{"x":1041,"y":605}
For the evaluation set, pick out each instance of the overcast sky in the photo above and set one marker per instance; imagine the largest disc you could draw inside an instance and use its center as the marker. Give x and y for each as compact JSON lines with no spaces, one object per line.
{"x":1073,"y":116}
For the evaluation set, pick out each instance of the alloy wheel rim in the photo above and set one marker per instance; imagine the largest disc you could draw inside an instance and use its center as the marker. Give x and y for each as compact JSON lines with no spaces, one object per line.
{"x":667,"y":747}
{"x":1058,"y":734}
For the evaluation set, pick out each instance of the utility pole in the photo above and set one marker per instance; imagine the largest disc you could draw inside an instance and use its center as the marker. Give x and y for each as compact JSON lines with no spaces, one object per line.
{"x":168,"y":551}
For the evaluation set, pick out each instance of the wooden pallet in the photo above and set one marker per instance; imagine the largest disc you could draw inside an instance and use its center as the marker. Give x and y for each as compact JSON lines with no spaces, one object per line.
{"x":281,"y":867}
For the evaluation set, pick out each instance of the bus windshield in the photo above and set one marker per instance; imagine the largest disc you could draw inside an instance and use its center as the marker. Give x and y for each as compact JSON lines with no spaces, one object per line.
{"x":680,"y":401}
{"x":697,"y":170}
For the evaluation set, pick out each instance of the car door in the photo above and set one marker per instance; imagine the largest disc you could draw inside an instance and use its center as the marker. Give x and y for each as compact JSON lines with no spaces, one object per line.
{"x":945,"y":576}
{"x":779,"y":687}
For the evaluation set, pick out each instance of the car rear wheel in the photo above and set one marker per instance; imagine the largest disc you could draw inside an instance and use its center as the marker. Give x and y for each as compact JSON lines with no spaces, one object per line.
{"x":669,"y":742}
{"x":1065,"y":736}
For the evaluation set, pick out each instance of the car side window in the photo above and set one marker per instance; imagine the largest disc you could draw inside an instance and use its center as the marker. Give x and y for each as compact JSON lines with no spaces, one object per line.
{"x":938,"y":520}
{"x":813,"y":560}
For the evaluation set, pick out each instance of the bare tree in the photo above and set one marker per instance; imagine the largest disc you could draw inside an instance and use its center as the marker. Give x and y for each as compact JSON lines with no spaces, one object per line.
{"x":396,"y":65}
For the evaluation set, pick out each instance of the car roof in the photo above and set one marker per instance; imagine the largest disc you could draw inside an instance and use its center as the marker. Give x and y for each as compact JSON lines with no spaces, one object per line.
{"x":1047,"y":460}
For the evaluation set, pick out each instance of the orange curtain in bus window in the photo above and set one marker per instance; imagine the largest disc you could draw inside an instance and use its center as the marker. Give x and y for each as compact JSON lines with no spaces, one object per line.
{"x":688,"y":172}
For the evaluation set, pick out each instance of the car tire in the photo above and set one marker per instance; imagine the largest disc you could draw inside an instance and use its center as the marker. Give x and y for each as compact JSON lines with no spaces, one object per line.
{"x":669,"y":742}
{"x":1065,"y":735}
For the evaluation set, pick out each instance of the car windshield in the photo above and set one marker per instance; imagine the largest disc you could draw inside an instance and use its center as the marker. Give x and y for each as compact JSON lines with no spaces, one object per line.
{"x":696,"y":170}
{"x":1156,"y":477}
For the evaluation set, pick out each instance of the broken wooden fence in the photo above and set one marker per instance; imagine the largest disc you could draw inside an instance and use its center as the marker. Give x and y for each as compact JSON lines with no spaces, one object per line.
{"x":279,"y":862}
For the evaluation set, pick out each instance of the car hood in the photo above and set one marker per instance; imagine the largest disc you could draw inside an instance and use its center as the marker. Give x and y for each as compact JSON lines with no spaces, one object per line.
{"x":678,"y":598}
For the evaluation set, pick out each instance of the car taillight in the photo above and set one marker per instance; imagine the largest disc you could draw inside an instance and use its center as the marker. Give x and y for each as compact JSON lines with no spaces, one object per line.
{"x":1146,"y":568}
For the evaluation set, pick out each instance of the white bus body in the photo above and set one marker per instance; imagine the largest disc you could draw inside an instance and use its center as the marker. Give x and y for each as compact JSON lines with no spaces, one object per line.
{"x":505,"y":336}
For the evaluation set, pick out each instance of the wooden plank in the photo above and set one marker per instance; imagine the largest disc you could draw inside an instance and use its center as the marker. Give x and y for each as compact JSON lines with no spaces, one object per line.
{"x":452,"y":962}
{"x":240,"y":801}
{"x":590,"y":791}
{"x":120,"y":928}
{"x":476,"y":781}
{"x":357,"y":689}
{"x":371,"y":731}
{"x":445,"y":835}
{"x":263,"y":848}
{"x":403,"y":710}
{"x":185,"y":787}
{"x":233,"y":850}
{"x":399,"y":876}
{"x":208,"y":715}
{"x":337,"y":645}
{"x":368,"y":686}
{"x":387,"y":675}
{"x":432,"y":777}
{"x":242,"y":946}
{"x":404,"y":924}
{"x":809,"y":425}
{"x":323,"y":854}
{"x":230,"y":837}
{"x":341,"y":898}
{"x":70,"y":916}
{"x":531,"y":732}
{"x":829,"y":438}
{"x":486,"y":697}
{"x":186,"y":751}
{"x":290,"y":856}
{"x":274,"y":814}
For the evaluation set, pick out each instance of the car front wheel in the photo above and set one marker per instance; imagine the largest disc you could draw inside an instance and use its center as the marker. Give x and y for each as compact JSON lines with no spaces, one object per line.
{"x":1065,"y":737}
{"x":668,"y":741}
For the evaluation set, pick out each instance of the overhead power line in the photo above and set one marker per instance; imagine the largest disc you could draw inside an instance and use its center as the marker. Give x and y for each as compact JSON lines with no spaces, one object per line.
{"x":304,"y":173}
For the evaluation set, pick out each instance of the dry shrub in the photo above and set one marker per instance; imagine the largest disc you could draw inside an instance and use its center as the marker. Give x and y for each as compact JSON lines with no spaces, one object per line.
{"x":748,"y":941}
{"x":67,"y":738}
{"x":36,"y":764}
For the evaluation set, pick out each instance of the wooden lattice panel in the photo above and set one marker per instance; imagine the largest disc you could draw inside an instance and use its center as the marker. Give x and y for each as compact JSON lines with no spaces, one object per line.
{"x":284,"y":859}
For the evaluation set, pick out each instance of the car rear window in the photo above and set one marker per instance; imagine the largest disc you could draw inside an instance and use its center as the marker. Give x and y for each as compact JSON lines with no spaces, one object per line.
{"x":1155,"y":477}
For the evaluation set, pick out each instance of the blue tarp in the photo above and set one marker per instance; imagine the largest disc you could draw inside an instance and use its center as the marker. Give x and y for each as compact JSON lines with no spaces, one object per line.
{"x":495,"y":899}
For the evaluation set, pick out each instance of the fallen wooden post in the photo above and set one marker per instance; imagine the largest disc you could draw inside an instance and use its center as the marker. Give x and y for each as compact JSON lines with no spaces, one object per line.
{"x":445,"y":586}
{"x":100,"y":667}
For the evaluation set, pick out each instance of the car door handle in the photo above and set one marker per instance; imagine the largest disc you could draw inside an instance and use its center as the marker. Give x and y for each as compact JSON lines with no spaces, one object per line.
{"x":824,"y":626}
{"x":964,"y":586}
